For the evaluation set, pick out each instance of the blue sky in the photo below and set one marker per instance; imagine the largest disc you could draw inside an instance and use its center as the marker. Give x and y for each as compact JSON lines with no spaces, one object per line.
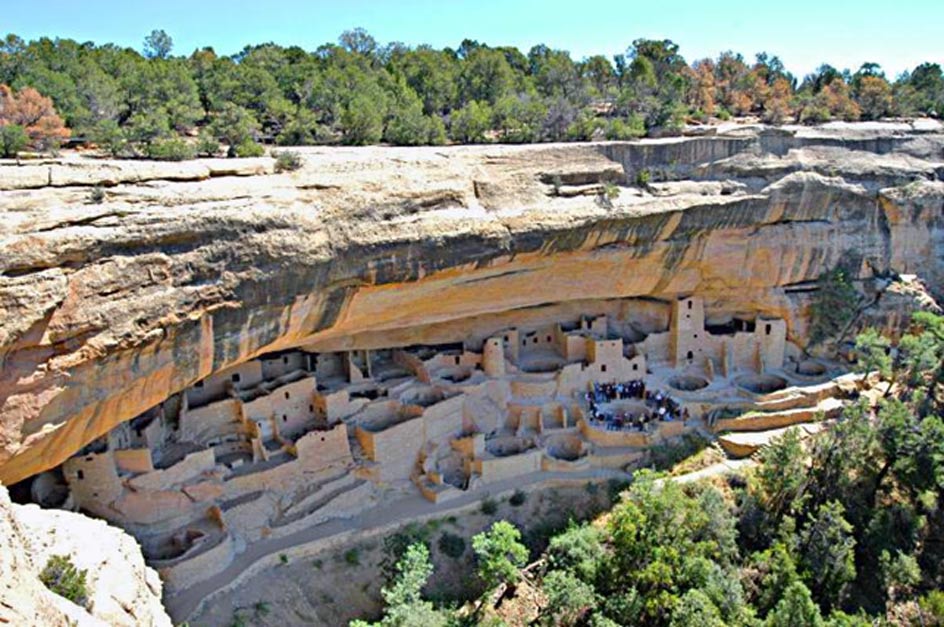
{"x":804,"y":33}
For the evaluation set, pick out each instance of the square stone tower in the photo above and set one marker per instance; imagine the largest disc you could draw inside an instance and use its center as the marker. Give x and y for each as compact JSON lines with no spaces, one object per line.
{"x":687,"y":331}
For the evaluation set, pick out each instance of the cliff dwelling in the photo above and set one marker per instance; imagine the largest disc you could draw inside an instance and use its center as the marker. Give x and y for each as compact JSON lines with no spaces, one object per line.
{"x":291,"y":439}
{"x":227,"y":362}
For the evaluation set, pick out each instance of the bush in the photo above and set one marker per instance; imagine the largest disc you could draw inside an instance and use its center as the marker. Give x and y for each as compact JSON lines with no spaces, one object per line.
{"x":489,"y":506}
{"x":568,"y":598}
{"x":207,"y":145}
{"x":362,"y":121}
{"x":96,"y":196}
{"x":62,"y":577}
{"x":287,"y":161}
{"x":396,"y":545}
{"x":518,"y":498}
{"x":409,"y":127}
{"x":352,"y":557}
{"x":173,"y":149}
{"x":247,"y":148}
{"x":452,"y":545}
{"x":469,"y":124}
{"x":631,"y":128}
{"x":110,"y":137}
{"x":667,"y":454}
{"x":643,"y":177}
{"x":262,"y":608}
{"x":499,"y":554}
{"x":834,"y":304}
{"x":13,"y":139}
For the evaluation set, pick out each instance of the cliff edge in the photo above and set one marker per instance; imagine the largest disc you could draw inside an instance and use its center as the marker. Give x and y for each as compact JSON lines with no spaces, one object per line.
{"x":121,"y":589}
{"x":108,"y":308}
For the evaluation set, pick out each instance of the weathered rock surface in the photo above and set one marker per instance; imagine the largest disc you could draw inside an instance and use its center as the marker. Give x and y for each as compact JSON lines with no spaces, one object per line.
{"x":121,"y":589}
{"x":107,"y":309}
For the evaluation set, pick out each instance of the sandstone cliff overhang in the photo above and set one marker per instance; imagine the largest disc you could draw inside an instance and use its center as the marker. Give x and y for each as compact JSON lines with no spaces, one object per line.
{"x":184,"y":269}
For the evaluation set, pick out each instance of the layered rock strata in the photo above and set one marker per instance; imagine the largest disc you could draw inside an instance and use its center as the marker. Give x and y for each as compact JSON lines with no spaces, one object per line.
{"x":108,"y":309}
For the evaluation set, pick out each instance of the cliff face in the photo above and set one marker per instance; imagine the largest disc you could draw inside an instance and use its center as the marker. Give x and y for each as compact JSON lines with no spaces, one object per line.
{"x":121,"y":589}
{"x":108,"y":309}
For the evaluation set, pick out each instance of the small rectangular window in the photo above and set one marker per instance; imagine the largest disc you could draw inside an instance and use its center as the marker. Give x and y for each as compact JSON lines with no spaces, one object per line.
{"x":602,"y":367}
{"x":236,"y":377}
{"x":769,"y":328}
{"x":80,"y":474}
{"x":286,"y":395}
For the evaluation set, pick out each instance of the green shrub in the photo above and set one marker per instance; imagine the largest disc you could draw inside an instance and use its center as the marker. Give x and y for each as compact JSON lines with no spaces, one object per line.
{"x":610,"y":191}
{"x":452,"y":545}
{"x":246,"y":148}
{"x":834,"y":303}
{"x":110,"y":137}
{"x":489,"y":506}
{"x":396,"y":544}
{"x":262,"y":608}
{"x":13,"y":139}
{"x":287,"y":161}
{"x":518,"y":498}
{"x":283,"y":558}
{"x":207,"y":145}
{"x":352,"y":557}
{"x":667,"y":454}
{"x":362,"y":120}
{"x":410,"y":127}
{"x":96,"y":196}
{"x":556,"y":184}
{"x":643,"y":177}
{"x":630,"y":128}
{"x":62,"y":577}
{"x":470,"y":124}
{"x":933,"y":604}
{"x":172,"y":149}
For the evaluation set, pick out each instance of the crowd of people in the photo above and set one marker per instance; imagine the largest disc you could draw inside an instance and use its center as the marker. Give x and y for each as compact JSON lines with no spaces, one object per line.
{"x":659,"y":406}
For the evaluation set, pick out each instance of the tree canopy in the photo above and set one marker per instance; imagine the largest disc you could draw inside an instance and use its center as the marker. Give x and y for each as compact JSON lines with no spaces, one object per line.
{"x":360,"y":91}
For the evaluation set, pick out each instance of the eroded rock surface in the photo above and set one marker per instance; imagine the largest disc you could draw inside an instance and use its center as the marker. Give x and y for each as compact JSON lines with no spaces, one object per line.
{"x":108,"y":309}
{"x":121,"y":589}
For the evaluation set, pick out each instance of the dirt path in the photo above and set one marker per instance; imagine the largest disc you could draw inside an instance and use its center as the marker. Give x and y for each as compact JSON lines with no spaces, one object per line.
{"x":721,"y":468}
{"x":400,"y":511}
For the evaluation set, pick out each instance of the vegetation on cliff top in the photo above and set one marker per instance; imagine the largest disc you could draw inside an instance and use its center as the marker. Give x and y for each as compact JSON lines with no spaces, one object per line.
{"x":360,"y":92}
{"x":844,"y":529}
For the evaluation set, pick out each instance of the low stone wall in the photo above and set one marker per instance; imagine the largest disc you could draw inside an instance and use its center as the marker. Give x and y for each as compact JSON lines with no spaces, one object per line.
{"x":755,"y":421}
{"x":670,"y":429}
{"x":615,"y":459}
{"x":616,"y":439}
{"x":344,"y":505}
{"x":499,"y":468}
{"x":534,"y":389}
{"x":199,"y":567}
{"x":191,"y":466}
{"x":552,"y":464}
